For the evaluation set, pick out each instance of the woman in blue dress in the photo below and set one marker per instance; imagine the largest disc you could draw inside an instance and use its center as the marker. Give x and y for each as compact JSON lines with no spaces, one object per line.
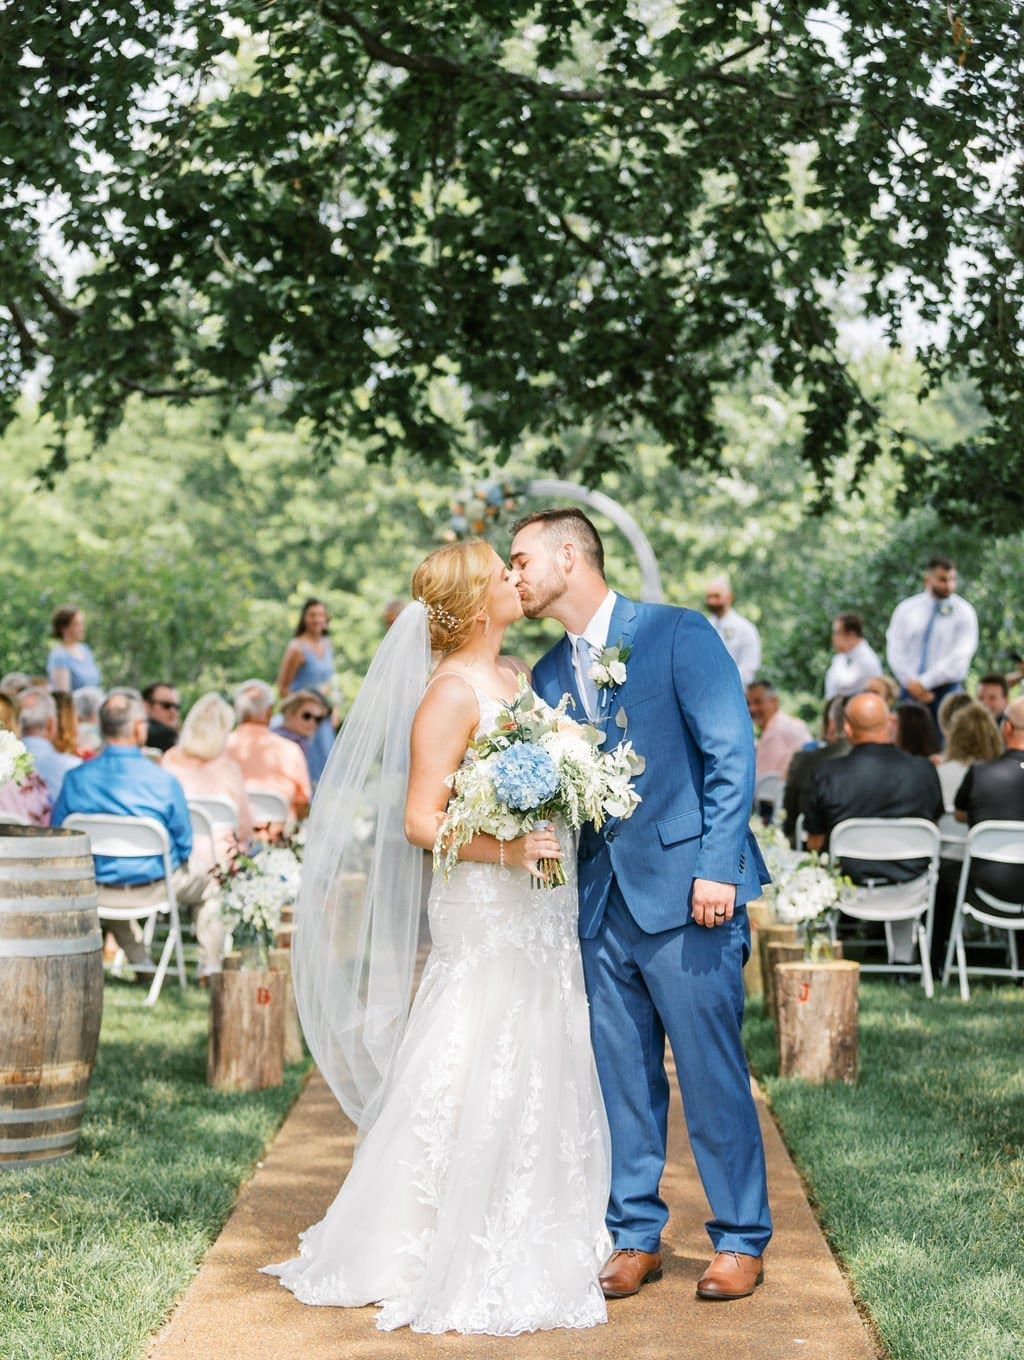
{"x":308,"y":663}
{"x":70,"y":664}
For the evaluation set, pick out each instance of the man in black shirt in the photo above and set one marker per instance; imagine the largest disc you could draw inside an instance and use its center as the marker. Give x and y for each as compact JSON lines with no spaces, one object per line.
{"x":993,"y":790}
{"x":875,"y":780}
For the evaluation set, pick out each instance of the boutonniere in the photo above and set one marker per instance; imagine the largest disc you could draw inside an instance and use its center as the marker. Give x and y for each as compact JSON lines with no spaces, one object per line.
{"x":945,"y":609}
{"x":609,"y":670}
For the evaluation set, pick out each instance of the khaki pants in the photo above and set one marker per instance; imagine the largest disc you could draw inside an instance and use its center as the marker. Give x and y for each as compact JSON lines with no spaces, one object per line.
{"x":198,"y":891}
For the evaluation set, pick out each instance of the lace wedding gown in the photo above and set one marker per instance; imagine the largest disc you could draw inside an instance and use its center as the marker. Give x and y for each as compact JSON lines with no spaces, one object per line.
{"x":476,"y":1202}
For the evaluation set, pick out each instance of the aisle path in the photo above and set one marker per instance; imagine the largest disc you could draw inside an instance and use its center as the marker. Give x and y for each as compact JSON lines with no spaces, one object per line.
{"x":230,"y":1312}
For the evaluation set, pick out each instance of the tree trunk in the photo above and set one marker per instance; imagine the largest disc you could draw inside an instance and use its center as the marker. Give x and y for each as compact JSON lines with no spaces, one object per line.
{"x":765,"y":936}
{"x":817,"y":1020}
{"x":281,"y":960}
{"x":247,"y":1018}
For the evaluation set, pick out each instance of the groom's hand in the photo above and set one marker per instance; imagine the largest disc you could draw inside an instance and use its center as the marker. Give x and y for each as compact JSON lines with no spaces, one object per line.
{"x":713,"y":902}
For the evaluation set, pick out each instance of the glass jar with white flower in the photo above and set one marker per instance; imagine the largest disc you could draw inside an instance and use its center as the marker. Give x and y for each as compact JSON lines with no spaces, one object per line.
{"x":805,"y":895}
{"x":254,"y":891}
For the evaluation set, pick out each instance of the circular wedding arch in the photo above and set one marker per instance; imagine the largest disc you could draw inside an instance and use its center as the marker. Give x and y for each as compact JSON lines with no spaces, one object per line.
{"x":544,"y":488}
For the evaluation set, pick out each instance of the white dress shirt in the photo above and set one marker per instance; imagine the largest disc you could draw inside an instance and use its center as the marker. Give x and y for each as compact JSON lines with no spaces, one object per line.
{"x":742,"y":642}
{"x":596,"y":633}
{"x":951,"y":644}
{"x":849,"y":670}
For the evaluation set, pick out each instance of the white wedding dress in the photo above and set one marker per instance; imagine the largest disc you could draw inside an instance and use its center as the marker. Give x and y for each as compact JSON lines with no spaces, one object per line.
{"x":476,"y":1202}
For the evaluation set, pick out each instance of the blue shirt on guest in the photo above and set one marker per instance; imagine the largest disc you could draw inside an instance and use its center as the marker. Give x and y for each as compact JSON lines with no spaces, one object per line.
{"x":82,"y":669}
{"x":124,"y":782}
{"x":52,"y":765}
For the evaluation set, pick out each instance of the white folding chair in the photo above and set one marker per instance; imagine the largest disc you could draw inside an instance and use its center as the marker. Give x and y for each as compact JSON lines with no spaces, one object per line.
{"x":267,"y":805}
{"x":881,"y":839}
{"x":14,"y":818}
{"x":769,"y":790}
{"x":994,"y":843}
{"x":800,"y":833}
{"x":139,"y":838}
{"x":218,"y":809}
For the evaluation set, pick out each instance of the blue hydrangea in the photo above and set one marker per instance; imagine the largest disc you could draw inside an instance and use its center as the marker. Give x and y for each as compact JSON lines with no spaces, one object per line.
{"x":524,"y":776}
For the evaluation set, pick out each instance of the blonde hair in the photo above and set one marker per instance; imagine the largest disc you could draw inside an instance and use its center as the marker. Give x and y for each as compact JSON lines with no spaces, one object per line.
{"x":973,"y":735}
{"x":66,"y":739}
{"x":452,"y":585}
{"x":8,"y":715}
{"x":204,"y":733}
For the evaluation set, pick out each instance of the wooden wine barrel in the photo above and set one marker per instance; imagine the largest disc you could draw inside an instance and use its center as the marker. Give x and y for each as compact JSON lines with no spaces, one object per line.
{"x":51,"y":985}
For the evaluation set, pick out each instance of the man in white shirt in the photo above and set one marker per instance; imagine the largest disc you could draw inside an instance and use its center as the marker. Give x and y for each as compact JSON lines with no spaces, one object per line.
{"x":932,"y":638}
{"x":854,"y":660}
{"x":741,"y":638}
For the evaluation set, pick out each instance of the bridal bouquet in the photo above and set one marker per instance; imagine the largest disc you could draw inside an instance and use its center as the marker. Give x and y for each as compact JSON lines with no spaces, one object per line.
{"x":535,"y":766}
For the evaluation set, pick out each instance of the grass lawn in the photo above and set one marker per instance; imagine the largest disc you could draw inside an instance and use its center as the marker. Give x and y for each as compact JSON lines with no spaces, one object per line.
{"x":95,"y":1249}
{"x":918,"y":1172}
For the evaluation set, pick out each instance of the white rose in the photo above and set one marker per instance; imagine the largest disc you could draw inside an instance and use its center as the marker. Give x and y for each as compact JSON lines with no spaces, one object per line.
{"x":617,"y":671}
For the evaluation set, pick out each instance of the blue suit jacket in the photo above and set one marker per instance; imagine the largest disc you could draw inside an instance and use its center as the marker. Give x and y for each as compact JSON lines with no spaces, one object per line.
{"x":688,"y":717}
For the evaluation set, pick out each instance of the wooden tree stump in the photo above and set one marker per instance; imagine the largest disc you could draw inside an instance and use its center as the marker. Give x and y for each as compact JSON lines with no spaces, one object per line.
{"x":776,"y":952}
{"x":247,"y":1017}
{"x":759,"y":913}
{"x":788,"y":951}
{"x":765,"y":936}
{"x":281,"y":961}
{"x":817,"y":1020}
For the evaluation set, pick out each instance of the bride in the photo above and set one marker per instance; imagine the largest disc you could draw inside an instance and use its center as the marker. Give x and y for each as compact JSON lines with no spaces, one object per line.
{"x":477,"y":1196}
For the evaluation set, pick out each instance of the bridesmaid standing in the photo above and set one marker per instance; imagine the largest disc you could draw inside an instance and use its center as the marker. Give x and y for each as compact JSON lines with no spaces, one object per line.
{"x":70,"y":664}
{"x":308,"y":663}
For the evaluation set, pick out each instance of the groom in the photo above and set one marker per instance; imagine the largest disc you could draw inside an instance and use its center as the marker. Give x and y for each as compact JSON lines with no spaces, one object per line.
{"x":663,"y":927}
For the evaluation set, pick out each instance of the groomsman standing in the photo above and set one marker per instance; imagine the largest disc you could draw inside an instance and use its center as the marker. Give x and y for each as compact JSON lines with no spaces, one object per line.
{"x":741,"y":639}
{"x":932,"y":638}
{"x":854,"y":661}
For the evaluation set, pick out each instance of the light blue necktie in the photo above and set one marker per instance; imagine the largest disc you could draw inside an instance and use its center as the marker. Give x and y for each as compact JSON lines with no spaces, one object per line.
{"x":926,"y":642}
{"x":588,"y":690}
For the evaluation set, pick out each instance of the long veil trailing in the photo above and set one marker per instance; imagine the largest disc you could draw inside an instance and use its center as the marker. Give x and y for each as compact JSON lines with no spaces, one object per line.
{"x":357,"y":917}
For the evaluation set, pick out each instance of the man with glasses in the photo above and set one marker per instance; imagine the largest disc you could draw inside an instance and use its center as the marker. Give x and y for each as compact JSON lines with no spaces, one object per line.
{"x":163,"y":710}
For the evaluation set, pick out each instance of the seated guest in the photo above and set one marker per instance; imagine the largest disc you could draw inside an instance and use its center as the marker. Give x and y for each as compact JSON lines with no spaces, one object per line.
{"x":163,"y":710}
{"x":779,"y":735}
{"x":37,"y":715}
{"x":13,"y":683}
{"x":994,"y":692}
{"x":915,"y":731}
{"x":66,"y":740}
{"x":205,"y":770}
{"x":268,"y":761}
{"x":876,"y":779}
{"x":993,"y":791}
{"x":885,"y":687}
{"x":87,"y":702}
{"x":948,"y":709}
{"x":804,"y":763}
{"x":302,"y":713}
{"x":122,"y":782}
{"x":972,"y":736}
{"x":27,"y":800}
{"x":853,"y":661}
{"x":70,"y":664}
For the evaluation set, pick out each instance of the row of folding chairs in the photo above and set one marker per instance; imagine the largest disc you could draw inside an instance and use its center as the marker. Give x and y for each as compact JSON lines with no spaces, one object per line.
{"x":906,"y":911}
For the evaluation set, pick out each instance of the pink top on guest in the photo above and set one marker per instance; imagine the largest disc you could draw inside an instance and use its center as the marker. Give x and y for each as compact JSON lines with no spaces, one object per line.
{"x":29,"y":799}
{"x":781,"y":738}
{"x":220,"y":777}
{"x":272,"y":762}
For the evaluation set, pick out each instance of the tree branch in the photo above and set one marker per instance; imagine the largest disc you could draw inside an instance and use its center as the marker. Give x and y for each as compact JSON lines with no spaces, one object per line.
{"x":67,"y":316}
{"x":30,"y":346}
{"x":426,"y":63}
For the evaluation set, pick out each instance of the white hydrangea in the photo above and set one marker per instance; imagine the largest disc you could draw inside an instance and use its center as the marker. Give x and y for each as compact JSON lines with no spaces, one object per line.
{"x":15,"y":761}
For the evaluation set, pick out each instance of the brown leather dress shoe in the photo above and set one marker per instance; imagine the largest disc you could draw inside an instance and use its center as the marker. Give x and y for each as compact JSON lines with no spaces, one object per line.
{"x":626,"y":1270}
{"x":731,"y":1275}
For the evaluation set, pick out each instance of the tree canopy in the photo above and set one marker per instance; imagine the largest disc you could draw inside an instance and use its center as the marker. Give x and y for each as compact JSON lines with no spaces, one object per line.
{"x":444,"y":225}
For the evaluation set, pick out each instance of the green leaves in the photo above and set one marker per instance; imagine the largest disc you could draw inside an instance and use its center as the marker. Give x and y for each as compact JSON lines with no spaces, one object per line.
{"x":589,"y":214}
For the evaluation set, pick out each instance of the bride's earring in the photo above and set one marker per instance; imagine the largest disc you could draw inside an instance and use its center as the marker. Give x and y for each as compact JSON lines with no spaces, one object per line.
{"x":487,"y":624}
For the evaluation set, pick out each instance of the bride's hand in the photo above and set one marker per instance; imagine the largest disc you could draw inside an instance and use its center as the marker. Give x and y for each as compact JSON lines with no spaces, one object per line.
{"x":542,"y":843}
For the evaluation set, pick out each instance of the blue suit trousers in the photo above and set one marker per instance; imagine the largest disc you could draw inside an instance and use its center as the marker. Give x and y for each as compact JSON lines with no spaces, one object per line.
{"x":687,"y":983}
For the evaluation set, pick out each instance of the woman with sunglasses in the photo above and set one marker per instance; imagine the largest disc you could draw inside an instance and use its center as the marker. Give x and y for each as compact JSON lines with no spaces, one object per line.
{"x":308,"y":664}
